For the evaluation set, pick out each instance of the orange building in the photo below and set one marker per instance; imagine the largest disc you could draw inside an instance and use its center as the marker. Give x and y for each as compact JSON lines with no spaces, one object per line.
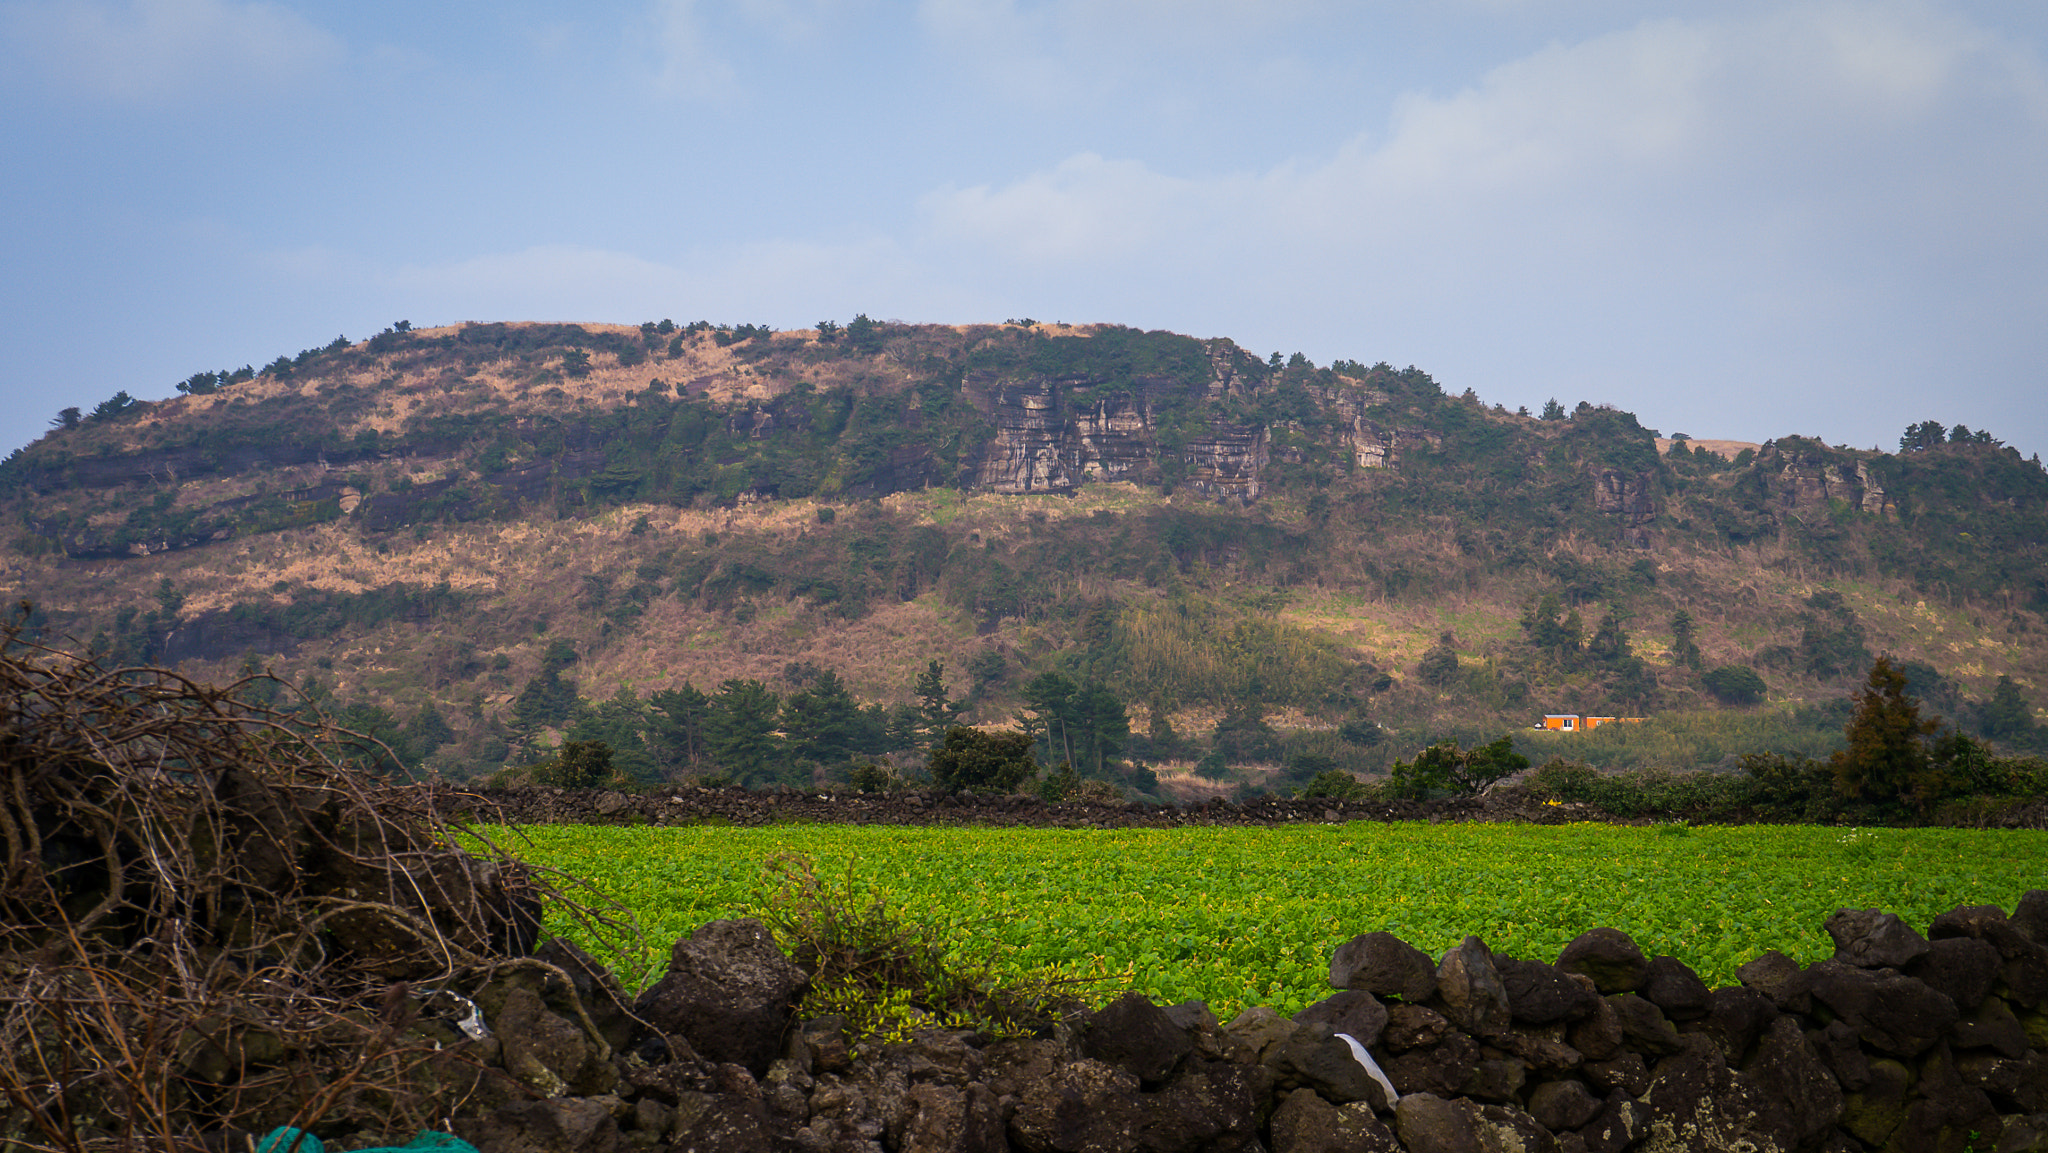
{"x":1574,"y":723}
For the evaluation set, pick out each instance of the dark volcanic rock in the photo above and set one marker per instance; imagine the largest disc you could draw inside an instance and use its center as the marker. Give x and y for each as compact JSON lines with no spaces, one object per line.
{"x":1780,"y":978}
{"x":1890,"y":1011}
{"x":1305,"y":1123}
{"x":1135,"y":1035}
{"x":1385,"y":965}
{"x":1676,"y":989}
{"x":1470,"y":990}
{"x":1352,"y":1011}
{"x":1874,"y":939}
{"x":1963,"y":969}
{"x":1538,"y":994}
{"x":1609,"y":956}
{"x":728,"y":991}
{"x":1792,"y":1078}
{"x":1736,"y":1017}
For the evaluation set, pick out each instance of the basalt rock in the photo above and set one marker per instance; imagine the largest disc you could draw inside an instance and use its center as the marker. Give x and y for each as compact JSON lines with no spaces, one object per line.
{"x":728,"y":991}
{"x":1383,"y":964}
{"x":1609,"y":956}
{"x":1831,"y":1058}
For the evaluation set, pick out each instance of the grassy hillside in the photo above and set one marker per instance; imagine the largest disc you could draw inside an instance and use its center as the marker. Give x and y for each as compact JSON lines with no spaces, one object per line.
{"x":1274,"y":567}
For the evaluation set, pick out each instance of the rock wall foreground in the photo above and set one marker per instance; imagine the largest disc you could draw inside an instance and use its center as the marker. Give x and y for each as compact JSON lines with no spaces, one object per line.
{"x":1899,"y":1042}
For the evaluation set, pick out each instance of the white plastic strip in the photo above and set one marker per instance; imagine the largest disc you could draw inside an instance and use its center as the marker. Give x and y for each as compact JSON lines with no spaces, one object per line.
{"x":1372,"y":1067}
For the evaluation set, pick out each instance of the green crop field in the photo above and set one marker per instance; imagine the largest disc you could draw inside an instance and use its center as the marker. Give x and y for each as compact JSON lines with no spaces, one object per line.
{"x":1240,"y":917}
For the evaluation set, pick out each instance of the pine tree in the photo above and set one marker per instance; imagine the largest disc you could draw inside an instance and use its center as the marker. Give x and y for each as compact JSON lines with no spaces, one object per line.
{"x":1684,"y":649}
{"x":936,"y":712}
{"x":1886,"y":761}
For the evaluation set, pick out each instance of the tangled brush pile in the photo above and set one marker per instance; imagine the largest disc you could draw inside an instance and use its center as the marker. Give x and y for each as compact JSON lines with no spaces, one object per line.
{"x":211,"y":925}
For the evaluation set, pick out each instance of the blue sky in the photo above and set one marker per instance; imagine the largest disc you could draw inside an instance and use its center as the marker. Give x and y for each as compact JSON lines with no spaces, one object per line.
{"x":1736,"y":220}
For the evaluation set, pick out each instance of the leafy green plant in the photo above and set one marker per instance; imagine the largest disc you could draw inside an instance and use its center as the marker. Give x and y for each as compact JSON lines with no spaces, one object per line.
{"x":885,"y":975}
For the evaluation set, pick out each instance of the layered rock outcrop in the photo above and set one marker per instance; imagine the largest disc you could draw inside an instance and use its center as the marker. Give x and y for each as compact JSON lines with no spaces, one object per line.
{"x":1807,"y":478}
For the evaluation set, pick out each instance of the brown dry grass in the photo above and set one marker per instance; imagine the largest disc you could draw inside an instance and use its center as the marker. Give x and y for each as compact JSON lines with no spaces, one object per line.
{"x":1725,"y":449}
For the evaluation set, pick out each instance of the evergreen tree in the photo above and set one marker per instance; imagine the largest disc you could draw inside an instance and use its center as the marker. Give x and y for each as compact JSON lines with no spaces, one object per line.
{"x":741,"y":731}
{"x":1886,"y":761}
{"x":1160,"y":739}
{"x":679,"y":728}
{"x":428,"y":731}
{"x":1102,"y":723}
{"x":580,"y":765}
{"x":547,"y":702}
{"x":1735,"y":684}
{"x":822,"y":721}
{"x":2007,"y":716}
{"x":621,"y":724}
{"x":936,"y":712}
{"x":1684,"y":649}
{"x":1923,"y":436}
{"x":1049,"y":699}
{"x":1609,"y":643}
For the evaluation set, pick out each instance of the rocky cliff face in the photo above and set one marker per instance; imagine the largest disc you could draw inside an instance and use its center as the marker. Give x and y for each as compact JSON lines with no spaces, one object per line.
{"x":1808,"y":479}
{"x":1626,"y":496}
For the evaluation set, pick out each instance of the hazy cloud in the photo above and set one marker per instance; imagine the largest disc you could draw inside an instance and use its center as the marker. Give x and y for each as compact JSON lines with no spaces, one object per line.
{"x":687,"y":64}
{"x":161,"y":49}
{"x":1834,"y":110}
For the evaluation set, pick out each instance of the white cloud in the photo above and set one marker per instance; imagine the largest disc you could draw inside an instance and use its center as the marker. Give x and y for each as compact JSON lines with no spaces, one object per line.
{"x":1671,"y":126}
{"x":1847,"y":191}
{"x":147,"y":50}
{"x":688,"y":65}
{"x":1087,"y":210}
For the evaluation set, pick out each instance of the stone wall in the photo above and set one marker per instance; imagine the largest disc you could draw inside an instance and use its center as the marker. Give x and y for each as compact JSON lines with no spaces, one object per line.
{"x":1898,"y":1042}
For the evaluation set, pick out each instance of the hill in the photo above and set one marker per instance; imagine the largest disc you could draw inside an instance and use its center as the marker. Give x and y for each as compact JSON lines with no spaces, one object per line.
{"x":727,"y":550}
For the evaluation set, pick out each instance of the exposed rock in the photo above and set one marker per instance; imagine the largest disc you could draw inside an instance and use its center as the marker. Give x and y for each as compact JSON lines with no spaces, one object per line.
{"x":1873,"y":939}
{"x":729,"y":991}
{"x":1676,"y":989}
{"x":1315,"y":1059}
{"x":1736,"y":1017}
{"x":1352,"y":1011}
{"x":1609,"y":956}
{"x":567,"y":1125}
{"x":1429,"y":1124}
{"x":1384,"y":965}
{"x":1412,"y":1026}
{"x":1305,"y":1123}
{"x":1135,"y":1035}
{"x":1806,"y":1102}
{"x":1626,"y":496}
{"x":1598,"y":1035}
{"x":1780,"y":978}
{"x":550,"y":1054}
{"x":1626,"y":1073}
{"x":1992,"y":1026}
{"x":1561,"y":1105}
{"x":2030,"y":916}
{"x":945,"y":1119}
{"x":1470,"y":990}
{"x":1644,"y":1027}
{"x":1538,"y":994}
{"x":1443,"y":1068}
{"x":1891,"y":1012}
{"x":1963,"y":969}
